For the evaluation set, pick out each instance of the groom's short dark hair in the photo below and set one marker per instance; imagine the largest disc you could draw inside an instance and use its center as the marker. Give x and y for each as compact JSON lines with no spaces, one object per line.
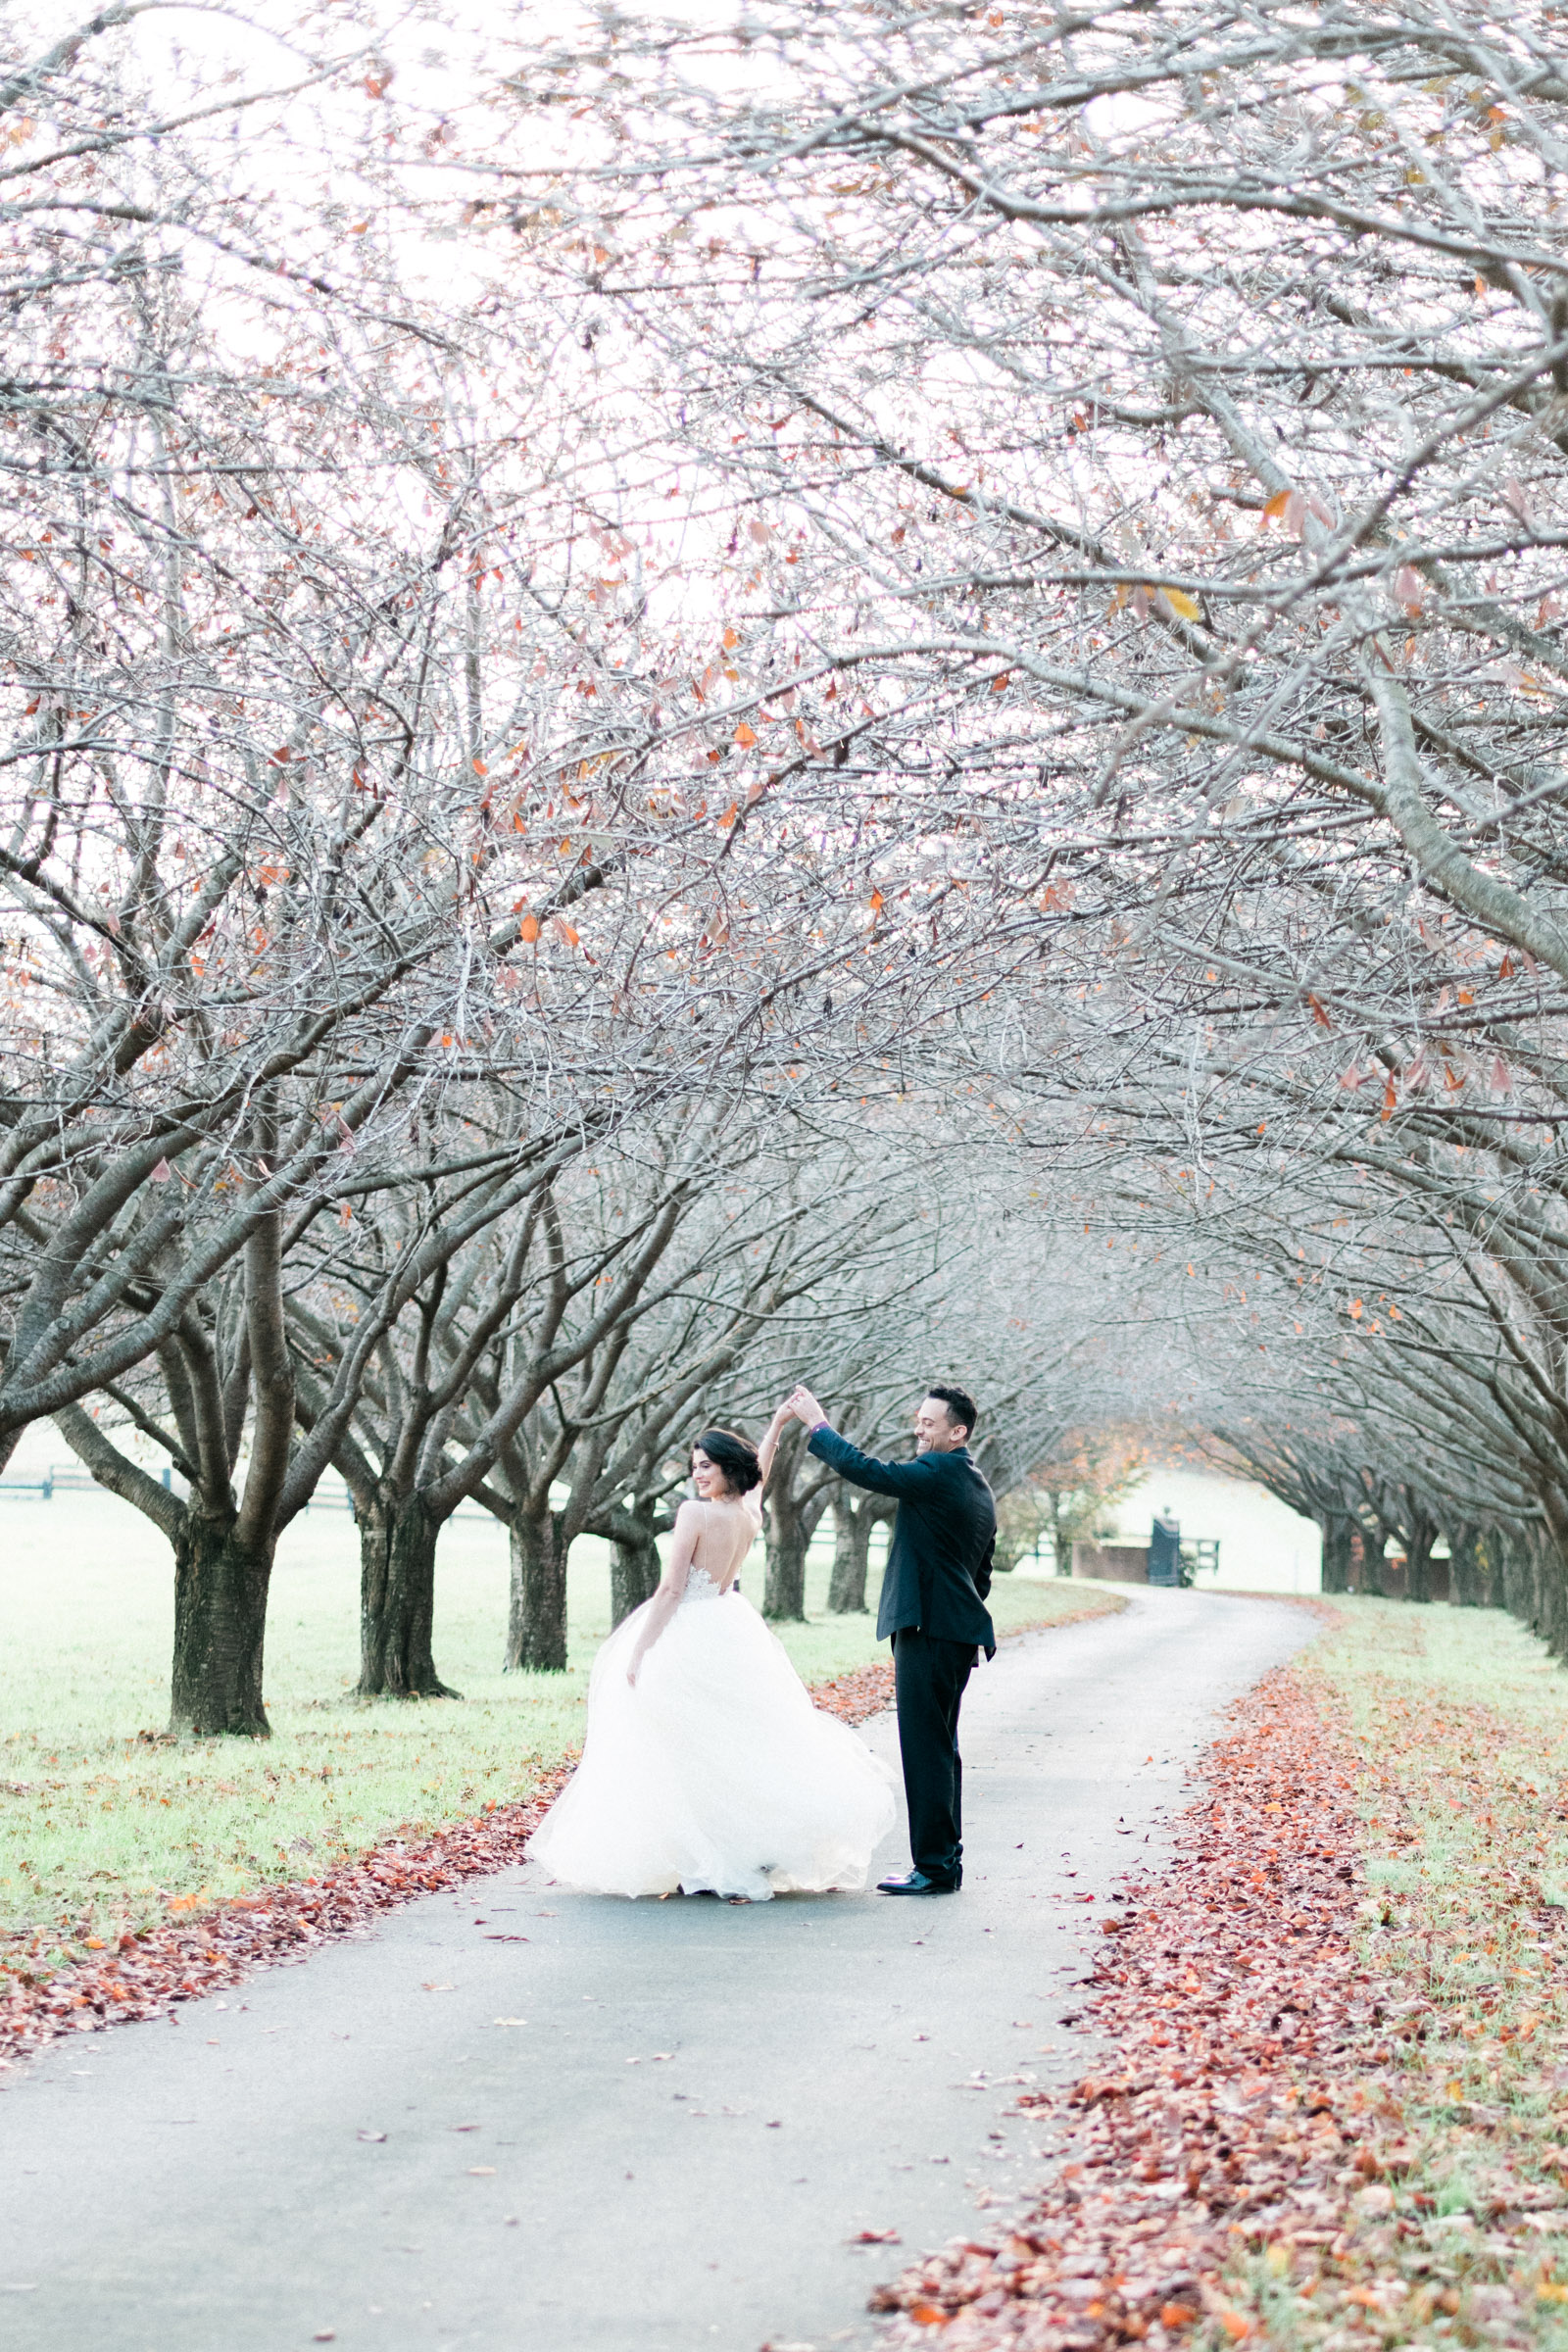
{"x":960,"y":1405}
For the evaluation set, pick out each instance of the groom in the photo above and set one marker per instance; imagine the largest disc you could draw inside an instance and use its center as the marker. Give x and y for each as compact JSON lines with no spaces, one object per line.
{"x":933,"y":1608}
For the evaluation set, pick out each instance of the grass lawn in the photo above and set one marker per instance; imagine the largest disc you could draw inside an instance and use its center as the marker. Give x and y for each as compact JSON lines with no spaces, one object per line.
{"x":102,"y":1823}
{"x":1462,"y":1720}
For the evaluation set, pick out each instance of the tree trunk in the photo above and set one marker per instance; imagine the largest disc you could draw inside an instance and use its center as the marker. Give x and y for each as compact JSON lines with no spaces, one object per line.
{"x":1517,"y":1578}
{"x":1339,"y":1533}
{"x":1552,"y":1581}
{"x":788,"y":1535}
{"x":1418,"y":1560}
{"x":635,"y":1569}
{"x":397,"y":1602}
{"x":851,"y":1556}
{"x":536,"y":1627}
{"x":220,"y":1592}
{"x":1469,"y":1585}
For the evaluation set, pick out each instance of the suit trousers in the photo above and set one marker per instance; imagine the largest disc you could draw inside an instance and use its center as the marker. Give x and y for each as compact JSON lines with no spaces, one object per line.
{"x":929,"y":1676}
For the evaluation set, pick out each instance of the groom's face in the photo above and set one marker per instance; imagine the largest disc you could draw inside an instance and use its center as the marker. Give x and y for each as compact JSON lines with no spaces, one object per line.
{"x":934,"y":1430}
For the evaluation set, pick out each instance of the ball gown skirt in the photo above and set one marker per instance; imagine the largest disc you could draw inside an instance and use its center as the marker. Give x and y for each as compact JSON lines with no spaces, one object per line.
{"x":714,"y":1774}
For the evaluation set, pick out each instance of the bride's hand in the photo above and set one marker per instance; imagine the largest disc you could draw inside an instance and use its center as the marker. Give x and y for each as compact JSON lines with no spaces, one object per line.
{"x":632,"y":1671}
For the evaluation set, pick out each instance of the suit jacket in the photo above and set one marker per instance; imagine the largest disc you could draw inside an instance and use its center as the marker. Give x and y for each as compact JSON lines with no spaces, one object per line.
{"x":939,"y":1563}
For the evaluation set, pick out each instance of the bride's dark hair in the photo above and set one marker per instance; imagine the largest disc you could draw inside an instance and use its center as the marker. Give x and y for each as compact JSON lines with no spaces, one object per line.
{"x":732,"y":1455}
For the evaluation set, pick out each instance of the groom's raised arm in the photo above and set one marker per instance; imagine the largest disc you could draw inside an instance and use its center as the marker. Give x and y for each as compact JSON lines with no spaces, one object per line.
{"x":881,"y":1478}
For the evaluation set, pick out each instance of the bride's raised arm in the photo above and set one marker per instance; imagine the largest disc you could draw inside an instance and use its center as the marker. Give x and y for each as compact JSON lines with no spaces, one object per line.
{"x":769,"y":1446}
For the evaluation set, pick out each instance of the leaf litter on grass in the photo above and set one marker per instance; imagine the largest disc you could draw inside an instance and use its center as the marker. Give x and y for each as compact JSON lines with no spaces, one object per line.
{"x":1292,"y":2147}
{"x":192,"y":1954}
{"x":59,"y":1983}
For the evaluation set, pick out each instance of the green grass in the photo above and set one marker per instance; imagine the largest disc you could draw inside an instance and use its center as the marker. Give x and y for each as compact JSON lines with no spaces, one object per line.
{"x":1467,"y":1716}
{"x":1462,"y":1720}
{"x":102,"y":1823}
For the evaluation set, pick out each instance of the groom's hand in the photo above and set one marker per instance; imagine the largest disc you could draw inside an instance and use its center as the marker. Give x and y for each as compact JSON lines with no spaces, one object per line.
{"x":804,"y":1405}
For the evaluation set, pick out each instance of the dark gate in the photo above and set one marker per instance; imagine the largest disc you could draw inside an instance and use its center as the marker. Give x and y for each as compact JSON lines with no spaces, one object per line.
{"x":1165,"y":1552}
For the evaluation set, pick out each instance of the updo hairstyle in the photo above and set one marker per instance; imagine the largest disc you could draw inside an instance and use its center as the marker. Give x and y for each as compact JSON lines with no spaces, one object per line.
{"x":732,"y":1455}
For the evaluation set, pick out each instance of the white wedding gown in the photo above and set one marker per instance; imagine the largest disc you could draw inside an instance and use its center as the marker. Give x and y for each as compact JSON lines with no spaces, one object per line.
{"x":714,"y":1774}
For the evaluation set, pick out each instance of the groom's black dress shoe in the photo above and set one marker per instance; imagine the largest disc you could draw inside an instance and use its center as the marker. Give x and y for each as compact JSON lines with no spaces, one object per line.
{"x":917,"y":1884}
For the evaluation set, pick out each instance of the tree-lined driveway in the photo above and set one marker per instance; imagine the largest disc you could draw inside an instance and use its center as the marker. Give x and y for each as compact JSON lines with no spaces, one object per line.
{"x":516,"y":2116}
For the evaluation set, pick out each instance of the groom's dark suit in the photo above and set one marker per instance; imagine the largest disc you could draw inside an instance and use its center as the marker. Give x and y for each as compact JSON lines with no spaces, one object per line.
{"x":933,"y":1611}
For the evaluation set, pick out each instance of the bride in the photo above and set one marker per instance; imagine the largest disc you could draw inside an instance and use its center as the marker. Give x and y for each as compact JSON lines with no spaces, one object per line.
{"x":705,"y":1768}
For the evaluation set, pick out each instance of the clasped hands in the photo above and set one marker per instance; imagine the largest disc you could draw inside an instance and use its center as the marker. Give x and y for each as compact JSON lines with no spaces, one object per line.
{"x":800,"y":1406}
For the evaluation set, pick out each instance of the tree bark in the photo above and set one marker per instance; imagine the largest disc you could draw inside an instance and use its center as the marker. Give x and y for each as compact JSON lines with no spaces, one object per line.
{"x":536,"y":1628}
{"x":1339,"y":1532}
{"x":1418,"y":1559}
{"x":1469,"y":1581}
{"x":788,"y":1535}
{"x":397,"y":1600}
{"x":635,"y":1569}
{"x":221,"y":1588}
{"x":1551,"y":1547}
{"x":852,"y":1554}
{"x":1517,"y":1578}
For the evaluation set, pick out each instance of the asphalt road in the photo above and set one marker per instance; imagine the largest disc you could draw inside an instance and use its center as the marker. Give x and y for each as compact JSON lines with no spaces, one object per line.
{"x":643,"y":2126}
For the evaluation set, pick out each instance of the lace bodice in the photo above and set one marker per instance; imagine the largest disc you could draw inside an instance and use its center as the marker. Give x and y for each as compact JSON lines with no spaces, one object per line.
{"x":699,"y":1585}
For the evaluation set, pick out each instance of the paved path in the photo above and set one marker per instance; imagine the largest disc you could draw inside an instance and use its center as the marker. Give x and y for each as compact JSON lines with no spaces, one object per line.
{"x":648,"y":2126}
